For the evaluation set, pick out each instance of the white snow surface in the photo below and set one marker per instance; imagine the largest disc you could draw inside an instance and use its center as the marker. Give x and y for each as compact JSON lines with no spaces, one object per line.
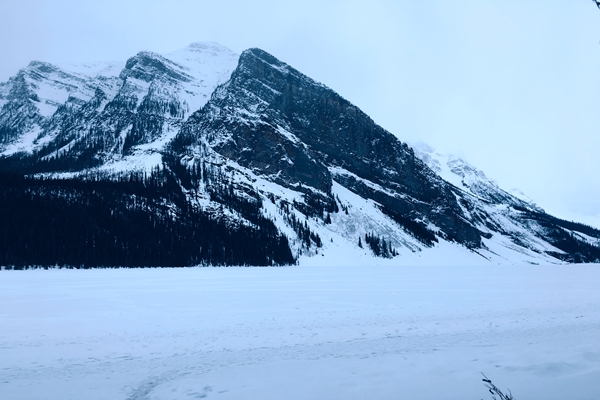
{"x":92,"y":70}
{"x":210,"y":64}
{"x":24,"y":143}
{"x":206,"y":64}
{"x":371,"y":332}
{"x":53,"y":88}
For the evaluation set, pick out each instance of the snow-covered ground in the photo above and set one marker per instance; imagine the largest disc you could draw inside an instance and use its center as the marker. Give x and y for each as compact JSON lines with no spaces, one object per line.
{"x":380,"y":332}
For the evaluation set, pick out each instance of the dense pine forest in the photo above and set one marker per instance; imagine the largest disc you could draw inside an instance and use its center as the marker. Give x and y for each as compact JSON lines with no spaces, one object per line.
{"x":135,"y":220}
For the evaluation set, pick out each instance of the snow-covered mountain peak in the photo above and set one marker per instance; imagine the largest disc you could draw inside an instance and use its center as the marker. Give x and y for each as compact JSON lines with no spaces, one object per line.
{"x":209,"y":63}
{"x":148,"y":66}
{"x":102,"y":69}
{"x":41,"y":66}
{"x":203,"y":53}
{"x":264,"y":65}
{"x":265,"y":164}
{"x":207,"y":47}
{"x":149,"y":92}
{"x":465,"y":176}
{"x":267,"y":58}
{"x":47,"y":86}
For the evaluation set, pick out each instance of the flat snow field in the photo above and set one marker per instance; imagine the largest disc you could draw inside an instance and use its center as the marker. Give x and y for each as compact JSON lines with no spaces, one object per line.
{"x":300,"y":333}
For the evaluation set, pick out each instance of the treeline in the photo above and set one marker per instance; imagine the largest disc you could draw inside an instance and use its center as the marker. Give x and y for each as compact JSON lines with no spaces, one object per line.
{"x":578,"y":251}
{"x":549,"y":219}
{"x":306,"y":236}
{"x":135,"y":221}
{"x":379,"y":246}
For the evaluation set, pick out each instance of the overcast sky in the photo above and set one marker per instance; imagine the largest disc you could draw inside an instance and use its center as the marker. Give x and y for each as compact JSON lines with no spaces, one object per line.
{"x":512,"y":86}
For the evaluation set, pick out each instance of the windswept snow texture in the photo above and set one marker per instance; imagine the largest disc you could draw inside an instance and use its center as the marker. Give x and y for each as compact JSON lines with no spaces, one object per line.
{"x":300,"y":333}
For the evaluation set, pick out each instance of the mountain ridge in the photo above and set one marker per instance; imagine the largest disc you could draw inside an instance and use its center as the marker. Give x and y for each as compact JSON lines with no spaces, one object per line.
{"x":260,"y":146}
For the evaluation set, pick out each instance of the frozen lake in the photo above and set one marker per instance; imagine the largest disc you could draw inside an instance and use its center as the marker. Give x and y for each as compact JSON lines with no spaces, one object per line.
{"x":300,"y":333}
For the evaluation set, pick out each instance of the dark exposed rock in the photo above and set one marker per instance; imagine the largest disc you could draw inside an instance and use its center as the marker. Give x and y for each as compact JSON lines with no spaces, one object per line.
{"x":19,"y":114}
{"x":271,"y":118}
{"x":148,"y":66}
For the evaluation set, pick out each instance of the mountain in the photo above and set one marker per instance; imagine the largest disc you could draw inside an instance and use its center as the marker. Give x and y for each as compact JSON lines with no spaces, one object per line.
{"x":205,"y":157}
{"x":71,"y":117}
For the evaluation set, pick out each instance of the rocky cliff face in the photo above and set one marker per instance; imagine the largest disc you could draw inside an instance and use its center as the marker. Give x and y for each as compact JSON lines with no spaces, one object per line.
{"x":274,"y":120}
{"x":252,"y":142}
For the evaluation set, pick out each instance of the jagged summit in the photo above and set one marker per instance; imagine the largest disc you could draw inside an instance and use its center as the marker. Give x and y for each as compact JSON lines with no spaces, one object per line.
{"x":112,"y":108}
{"x":226,"y":159}
{"x":148,"y":66}
{"x":268,"y":59}
{"x":465,"y":176}
{"x":208,"y":47}
{"x":41,"y":66}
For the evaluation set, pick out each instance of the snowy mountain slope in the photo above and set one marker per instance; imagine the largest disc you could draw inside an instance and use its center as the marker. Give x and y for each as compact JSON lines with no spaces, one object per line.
{"x":271,"y":118}
{"x":103,"y":112}
{"x":295,"y":132}
{"x":514,"y":215}
{"x":35,"y":94}
{"x":199,"y":156}
{"x":468,"y":178}
{"x":210,"y":64}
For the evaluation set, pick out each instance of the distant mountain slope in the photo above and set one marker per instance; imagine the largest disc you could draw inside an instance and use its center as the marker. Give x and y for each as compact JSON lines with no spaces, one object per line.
{"x":468,"y":178}
{"x":205,"y":150}
{"x":513,"y":210}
